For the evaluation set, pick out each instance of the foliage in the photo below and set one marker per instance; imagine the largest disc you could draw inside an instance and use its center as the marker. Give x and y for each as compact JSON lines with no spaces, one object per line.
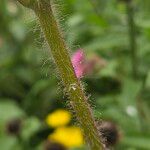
{"x":28,"y":89}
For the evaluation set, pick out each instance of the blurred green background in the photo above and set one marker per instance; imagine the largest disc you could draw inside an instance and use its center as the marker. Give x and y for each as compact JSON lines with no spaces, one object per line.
{"x":120,"y":91}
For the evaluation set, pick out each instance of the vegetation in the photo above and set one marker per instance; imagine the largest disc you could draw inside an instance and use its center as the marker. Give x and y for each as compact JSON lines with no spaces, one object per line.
{"x":111,"y":39}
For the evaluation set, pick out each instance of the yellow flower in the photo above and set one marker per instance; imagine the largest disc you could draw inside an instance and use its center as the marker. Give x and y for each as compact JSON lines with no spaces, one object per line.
{"x":68,"y":136}
{"x":58,"y":118}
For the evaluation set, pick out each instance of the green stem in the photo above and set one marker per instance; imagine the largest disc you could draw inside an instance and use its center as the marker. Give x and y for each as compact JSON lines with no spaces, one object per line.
{"x":95,"y":7}
{"x":72,"y":85}
{"x":132,"y":37}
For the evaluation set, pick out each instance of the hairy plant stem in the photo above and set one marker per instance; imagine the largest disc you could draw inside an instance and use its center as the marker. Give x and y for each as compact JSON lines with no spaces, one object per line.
{"x":72,"y":85}
{"x":132,"y":38}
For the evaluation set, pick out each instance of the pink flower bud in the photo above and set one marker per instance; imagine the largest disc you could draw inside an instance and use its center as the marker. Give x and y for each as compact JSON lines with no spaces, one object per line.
{"x":83,"y":66}
{"x":78,"y":59}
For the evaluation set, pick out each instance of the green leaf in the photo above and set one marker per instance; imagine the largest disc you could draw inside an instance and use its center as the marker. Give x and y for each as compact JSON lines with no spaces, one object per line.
{"x":138,"y":142}
{"x":9,"y":110}
{"x":30,"y":126}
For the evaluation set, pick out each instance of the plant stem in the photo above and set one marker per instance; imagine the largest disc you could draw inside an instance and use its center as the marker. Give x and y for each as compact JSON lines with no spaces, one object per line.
{"x":95,"y":7}
{"x":132,"y":37}
{"x":72,"y":85}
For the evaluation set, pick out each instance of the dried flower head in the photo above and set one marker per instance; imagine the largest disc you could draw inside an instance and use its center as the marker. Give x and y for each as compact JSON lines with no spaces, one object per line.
{"x":109,"y":133}
{"x":49,"y":145}
{"x":13,"y":127}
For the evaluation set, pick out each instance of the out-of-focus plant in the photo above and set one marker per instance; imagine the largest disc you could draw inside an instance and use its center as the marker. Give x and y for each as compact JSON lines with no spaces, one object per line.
{"x":132,"y":36}
{"x":58,"y":118}
{"x":68,"y":136}
{"x":86,"y":66}
{"x":64,"y":134}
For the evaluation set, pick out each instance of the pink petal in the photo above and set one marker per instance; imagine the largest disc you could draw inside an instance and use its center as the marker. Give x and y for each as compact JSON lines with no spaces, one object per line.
{"x":77,"y":61}
{"x":79,"y":70}
{"x":78,"y":57}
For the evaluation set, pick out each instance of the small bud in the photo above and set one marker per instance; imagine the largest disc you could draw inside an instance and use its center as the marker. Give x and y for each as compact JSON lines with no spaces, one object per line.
{"x":53,"y":146}
{"x":13,"y":127}
{"x":109,"y":133}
